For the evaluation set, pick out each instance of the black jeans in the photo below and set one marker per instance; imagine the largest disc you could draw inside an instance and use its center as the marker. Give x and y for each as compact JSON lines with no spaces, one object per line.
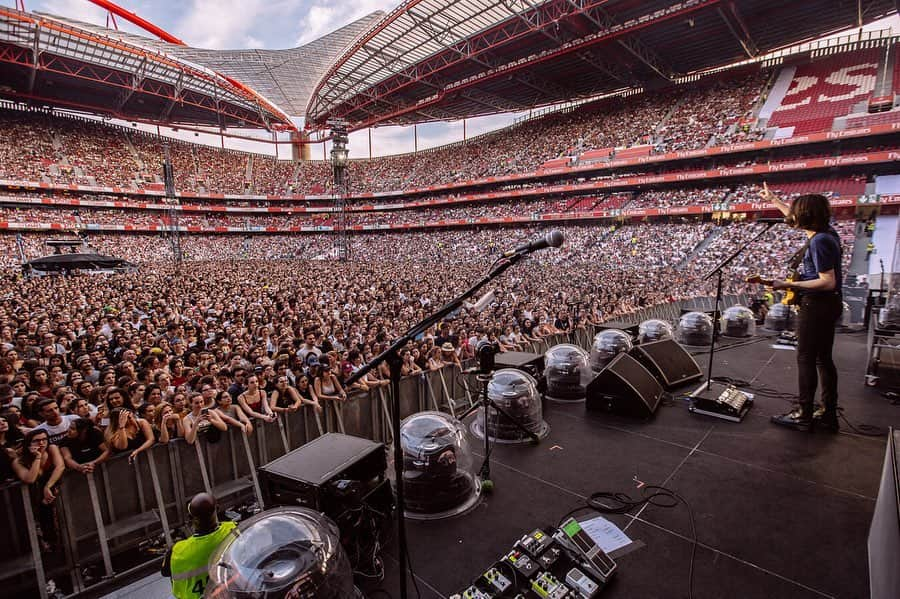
{"x":815,"y":338}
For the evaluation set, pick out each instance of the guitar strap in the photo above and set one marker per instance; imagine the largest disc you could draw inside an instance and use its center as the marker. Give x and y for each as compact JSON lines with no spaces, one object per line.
{"x":797,"y":258}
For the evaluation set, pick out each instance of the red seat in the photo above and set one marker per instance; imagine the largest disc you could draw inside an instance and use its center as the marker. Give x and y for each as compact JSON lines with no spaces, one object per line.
{"x":825,"y":89}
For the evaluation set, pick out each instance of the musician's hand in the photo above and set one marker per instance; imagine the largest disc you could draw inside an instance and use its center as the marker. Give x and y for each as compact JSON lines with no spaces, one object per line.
{"x":781,"y":285}
{"x":766,"y":194}
{"x":758,"y":280}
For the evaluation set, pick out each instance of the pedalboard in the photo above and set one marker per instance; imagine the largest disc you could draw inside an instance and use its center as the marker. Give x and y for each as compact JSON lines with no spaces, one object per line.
{"x":520,"y":560}
{"x":563,"y":563}
{"x":535,"y":542}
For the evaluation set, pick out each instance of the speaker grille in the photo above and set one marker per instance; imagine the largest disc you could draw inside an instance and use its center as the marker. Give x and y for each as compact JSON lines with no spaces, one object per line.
{"x":669,"y":362}
{"x":624,"y":387}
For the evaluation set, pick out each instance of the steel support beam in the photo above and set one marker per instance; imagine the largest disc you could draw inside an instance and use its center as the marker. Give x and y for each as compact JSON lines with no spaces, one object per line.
{"x":589,"y":41}
{"x":632,"y":45}
{"x":504,"y":33}
{"x":137,"y":80}
{"x":509,"y":30}
{"x":738,"y":29}
{"x":36,"y":56}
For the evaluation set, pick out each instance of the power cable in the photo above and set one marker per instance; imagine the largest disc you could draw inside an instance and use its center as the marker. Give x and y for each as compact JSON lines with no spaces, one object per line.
{"x":607,"y":502}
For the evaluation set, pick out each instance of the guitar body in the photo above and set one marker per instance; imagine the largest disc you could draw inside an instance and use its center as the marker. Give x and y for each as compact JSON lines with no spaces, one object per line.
{"x":791,"y":298}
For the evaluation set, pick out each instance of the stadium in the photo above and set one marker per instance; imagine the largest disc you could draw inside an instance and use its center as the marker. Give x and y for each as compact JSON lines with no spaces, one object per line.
{"x":148,"y":257}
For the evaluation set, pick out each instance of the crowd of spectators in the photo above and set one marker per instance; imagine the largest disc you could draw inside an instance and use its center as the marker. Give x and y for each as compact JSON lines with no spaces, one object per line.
{"x":669,"y":198}
{"x":68,"y":150}
{"x":712,"y":115}
{"x":248,"y":327}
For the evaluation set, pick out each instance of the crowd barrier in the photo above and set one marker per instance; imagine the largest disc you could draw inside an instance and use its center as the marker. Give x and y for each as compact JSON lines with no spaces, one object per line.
{"x":104,"y":516}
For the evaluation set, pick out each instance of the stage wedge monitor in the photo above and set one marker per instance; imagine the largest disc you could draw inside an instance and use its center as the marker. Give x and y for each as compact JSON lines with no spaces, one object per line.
{"x":670,"y":363}
{"x":624,"y":387}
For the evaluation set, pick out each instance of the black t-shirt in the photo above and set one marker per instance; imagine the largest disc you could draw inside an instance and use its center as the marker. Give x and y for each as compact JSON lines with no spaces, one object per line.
{"x":6,"y":469}
{"x":305,"y":393}
{"x":823,"y":254}
{"x":234,"y":390}
{"x":87,"y":450}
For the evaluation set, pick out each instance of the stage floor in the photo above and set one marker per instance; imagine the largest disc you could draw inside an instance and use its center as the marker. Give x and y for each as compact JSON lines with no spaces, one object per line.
{"x":779,"y":513}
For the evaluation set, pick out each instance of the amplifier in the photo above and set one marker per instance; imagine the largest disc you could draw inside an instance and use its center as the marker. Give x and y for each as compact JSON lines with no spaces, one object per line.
{"x":528,"y":362}
{"x":344,"y":478}
{"x":333,"y":465}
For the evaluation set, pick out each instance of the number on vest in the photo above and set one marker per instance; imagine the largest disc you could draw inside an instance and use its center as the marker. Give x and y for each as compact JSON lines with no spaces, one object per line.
{"x":200,"y":585}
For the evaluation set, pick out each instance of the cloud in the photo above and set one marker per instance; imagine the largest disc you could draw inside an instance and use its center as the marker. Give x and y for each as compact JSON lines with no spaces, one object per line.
{"x":324,"y":17}
{"x":86,"y":12}
{"x":80,"y":10}
{"x":219,"y":24}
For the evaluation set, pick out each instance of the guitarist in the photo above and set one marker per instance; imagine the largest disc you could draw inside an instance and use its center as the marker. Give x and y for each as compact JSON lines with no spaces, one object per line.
{"x":821,"y":304}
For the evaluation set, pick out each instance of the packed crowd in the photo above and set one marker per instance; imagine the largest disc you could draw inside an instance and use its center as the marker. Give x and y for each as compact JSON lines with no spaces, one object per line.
{"x":91,"y":367}
{"x":669,"y":198}
{"x":68,"y":150}
{"x":80,"y":218}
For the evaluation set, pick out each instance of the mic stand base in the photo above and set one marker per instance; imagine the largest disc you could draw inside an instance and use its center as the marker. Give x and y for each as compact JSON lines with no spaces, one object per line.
{"x":486,"y":404}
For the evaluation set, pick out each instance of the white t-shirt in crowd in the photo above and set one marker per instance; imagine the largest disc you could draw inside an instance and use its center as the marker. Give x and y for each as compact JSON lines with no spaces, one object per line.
{"x":58,"y":433}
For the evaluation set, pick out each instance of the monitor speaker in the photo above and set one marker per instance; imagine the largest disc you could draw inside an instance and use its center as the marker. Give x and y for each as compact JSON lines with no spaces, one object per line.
{"x":624,"y":387}
{"x":670,"y":363}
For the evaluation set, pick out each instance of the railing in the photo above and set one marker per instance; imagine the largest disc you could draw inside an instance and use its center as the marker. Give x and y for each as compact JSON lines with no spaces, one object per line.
{"x":105,"y":516}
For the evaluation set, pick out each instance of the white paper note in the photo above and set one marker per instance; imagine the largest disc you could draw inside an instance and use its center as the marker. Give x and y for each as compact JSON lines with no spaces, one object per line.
{"x":607,"y":535}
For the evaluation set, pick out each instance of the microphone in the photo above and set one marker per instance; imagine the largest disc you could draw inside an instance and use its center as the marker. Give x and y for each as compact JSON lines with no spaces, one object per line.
{"x":552,"y":239}
{"x":772,"y":221}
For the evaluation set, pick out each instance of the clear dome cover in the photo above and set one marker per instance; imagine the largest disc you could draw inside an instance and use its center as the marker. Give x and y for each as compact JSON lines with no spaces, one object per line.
{"x":695,"y":328}
{"x":568,"y":372}
{"x":654,"y":330}
{"x":607,"y":345}
{"x":438,"y":480}
{"x":515,"y":392}
{"x":738,"y":321}
{"x":287,"y":552}
{"x":780,"y":318}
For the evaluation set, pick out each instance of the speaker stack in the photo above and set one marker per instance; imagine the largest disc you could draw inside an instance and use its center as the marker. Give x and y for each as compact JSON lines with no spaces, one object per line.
{"x":633,"y":383}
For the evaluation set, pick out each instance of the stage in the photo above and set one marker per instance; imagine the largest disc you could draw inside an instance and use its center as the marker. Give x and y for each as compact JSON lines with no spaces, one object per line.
{"x":779,"y":513}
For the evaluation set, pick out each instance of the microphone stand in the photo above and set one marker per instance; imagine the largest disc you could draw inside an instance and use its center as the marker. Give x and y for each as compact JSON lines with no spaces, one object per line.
{"x":717,"y":271}
{"x":392,"y":356}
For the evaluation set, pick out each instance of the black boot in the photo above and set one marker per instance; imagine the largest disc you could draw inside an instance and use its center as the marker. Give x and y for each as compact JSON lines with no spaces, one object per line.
{"x":797,"y":419}
{"x":826,"y":419}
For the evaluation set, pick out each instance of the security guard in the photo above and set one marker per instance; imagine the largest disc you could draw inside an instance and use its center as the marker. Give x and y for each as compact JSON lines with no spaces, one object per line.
{"x":187,"y":563}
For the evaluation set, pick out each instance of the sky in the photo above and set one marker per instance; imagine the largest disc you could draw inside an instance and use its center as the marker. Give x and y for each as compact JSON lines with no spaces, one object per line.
{"x":274,"y":24}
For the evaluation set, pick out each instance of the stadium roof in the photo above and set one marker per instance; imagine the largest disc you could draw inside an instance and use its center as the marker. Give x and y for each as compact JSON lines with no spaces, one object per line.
{"x":89,"y":67}
{"x":449,"y":59}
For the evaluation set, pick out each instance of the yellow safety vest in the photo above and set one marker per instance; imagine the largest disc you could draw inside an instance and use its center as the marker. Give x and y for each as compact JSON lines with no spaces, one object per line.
{"x":190,"y":562}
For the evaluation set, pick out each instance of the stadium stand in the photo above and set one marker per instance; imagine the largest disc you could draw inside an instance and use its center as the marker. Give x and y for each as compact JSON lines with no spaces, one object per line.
{"x":825,"y":89}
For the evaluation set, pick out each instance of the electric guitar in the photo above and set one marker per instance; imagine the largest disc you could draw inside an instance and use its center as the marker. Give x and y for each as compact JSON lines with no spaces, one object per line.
{"x":791,"y":298}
